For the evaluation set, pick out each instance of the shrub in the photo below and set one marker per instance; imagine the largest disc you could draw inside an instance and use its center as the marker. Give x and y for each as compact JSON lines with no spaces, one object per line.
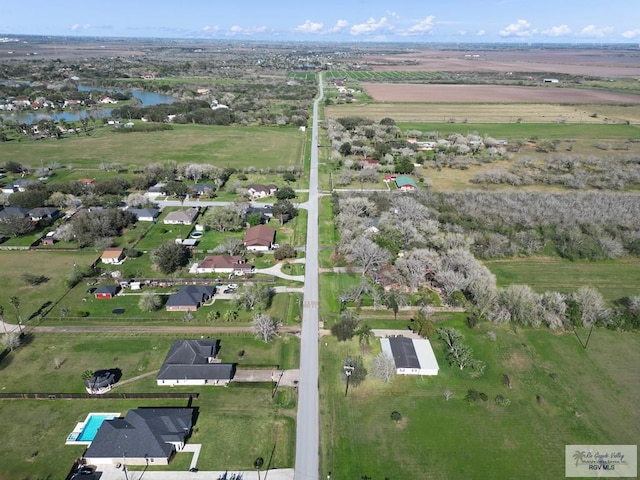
{"x":502,"y":401}
{"x":396,"y":416}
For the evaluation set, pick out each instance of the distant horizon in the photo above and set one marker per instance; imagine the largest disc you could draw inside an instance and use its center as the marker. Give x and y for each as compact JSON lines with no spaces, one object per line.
{"x":8,"y":38}
{"x":383,"y":21}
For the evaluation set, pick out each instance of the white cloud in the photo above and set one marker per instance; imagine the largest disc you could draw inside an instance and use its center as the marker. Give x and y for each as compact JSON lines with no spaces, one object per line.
{"x":393,"y":14}
{"x":424,"y":26}
{"x":521,"y":28}
{"x":77,"y":26}
{"x":481,"y":33}
{"x":595,"y":32}
{"x":631,"y":33}
{"x":370,"y":26}
{"x":339,"y":26}
{"x":462,"y":32}
{"x":211,"y":28}
{"x":309,"y":27}
{"x":238,"y":30}
{"x":559,"y":31}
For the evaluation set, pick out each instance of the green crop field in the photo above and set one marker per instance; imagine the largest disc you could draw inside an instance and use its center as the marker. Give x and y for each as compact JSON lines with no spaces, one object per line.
{"x":238,"y":147}
{"x":561,"y":394}
{"x":613,"y":278}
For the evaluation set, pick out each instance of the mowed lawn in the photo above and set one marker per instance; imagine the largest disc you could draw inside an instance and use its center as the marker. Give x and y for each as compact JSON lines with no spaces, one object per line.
{"x":613,"y":278}
{"x":237,"y":147}
{"x":55,"y":266}
{"x":585,"y":397}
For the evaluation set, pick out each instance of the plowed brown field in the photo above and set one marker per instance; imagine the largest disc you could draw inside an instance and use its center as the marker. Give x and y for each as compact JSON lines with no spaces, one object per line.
{"x":398,"y":92}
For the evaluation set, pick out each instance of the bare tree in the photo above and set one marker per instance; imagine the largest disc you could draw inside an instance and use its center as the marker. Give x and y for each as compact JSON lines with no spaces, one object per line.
{"x":367,"y":254}
{"x":415,"y":265}
{"x":149,"y":302}
{"x":11,"y":340}
{"x":252,"y":296}
{"x":591,"y":305}
{"x":447,"y":394}
{"x":230,"y":246}
{"x":264,"y":327}
{"x":383,"y":367}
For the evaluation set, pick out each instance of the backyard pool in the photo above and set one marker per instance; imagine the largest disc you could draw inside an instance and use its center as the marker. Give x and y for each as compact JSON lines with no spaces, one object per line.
{"x":85,"y":432}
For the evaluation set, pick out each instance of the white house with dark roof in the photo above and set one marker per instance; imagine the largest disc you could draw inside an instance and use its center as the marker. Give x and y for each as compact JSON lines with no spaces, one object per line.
{"x":412,"y":356}
{"x":145,"y":436}
{"x":145,"y":214}
{"x":194,"y":362}
{"x":257,"y":190}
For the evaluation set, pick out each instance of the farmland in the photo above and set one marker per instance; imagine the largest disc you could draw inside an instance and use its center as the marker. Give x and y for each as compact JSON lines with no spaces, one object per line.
{"x":382,"y":92}
{"x":531,"y":113}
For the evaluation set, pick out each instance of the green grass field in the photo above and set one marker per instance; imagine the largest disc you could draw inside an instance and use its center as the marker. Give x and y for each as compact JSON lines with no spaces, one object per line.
{"x":53,"y":265}
{"x":591,"y":400}
{"x":238,"y":147}
{"x":613,"y":278}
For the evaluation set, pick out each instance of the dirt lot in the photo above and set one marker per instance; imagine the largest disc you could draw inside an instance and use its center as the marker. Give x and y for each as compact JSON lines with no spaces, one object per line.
{"x":573,"y":62}
{"x":394,"y":92}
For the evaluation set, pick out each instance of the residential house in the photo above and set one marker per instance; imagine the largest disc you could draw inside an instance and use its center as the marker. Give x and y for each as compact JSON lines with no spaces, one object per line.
{"x":43,"y":213}
{"x":389,"y":178}
{"x":194,"y":362}
{"x":113,"y":256}
{"x":232,"y":264}
{"x":405,"y":183}
{"x":145,"y":436}
{"x":189,"y":298}
{"x":107,"y":99}
{"x":259,"y":238}
{"x":181,"y":217}
{"x":106,"y":291}
{"x":202,"y":189}
{"x":257,"y":190}
{"x":411,"y":356}
{"x":145,"y":214}
{"x":156,"y":190}
{"x":13,"y":212}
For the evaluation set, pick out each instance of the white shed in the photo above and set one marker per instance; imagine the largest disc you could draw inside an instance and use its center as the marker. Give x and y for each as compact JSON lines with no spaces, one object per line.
{"x":411,"y":356}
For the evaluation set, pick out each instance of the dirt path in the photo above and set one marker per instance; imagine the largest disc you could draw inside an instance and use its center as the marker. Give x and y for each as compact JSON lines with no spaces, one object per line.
{"x":126,"y":329}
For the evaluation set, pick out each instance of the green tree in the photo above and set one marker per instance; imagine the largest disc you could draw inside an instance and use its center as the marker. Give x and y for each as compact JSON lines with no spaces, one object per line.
{"x":170,"y":256}
{"x":422,"y":324}
{"x":285,"y":193}
{"x":345,"y":328}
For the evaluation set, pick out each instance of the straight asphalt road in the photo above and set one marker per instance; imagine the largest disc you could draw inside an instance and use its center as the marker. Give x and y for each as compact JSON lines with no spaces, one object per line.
{"x":307,"y":466}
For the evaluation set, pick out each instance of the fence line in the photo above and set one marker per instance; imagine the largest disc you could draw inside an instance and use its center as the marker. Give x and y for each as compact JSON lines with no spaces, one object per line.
{"x":64,"y":396}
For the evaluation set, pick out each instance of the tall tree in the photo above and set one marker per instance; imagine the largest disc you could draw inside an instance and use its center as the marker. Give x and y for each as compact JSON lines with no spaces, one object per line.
{"x":264,"y":327}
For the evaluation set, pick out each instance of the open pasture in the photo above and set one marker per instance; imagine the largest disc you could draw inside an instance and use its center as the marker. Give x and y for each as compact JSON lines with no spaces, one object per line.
{"x":488,"y":113}
{"x":613,"y":278}
{"x":558,"y":394}
{"x":237,"y":147}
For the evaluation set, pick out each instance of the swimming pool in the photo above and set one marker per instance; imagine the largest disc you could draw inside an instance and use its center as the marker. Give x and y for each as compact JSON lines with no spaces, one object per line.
{"x":85,"y":432}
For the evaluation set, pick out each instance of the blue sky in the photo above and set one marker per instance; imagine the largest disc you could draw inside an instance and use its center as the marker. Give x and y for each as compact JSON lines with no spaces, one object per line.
{"x":332,"y":20}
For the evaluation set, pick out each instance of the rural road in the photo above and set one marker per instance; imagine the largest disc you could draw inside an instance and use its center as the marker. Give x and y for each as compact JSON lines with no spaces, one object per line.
{"x":307,"y":466}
